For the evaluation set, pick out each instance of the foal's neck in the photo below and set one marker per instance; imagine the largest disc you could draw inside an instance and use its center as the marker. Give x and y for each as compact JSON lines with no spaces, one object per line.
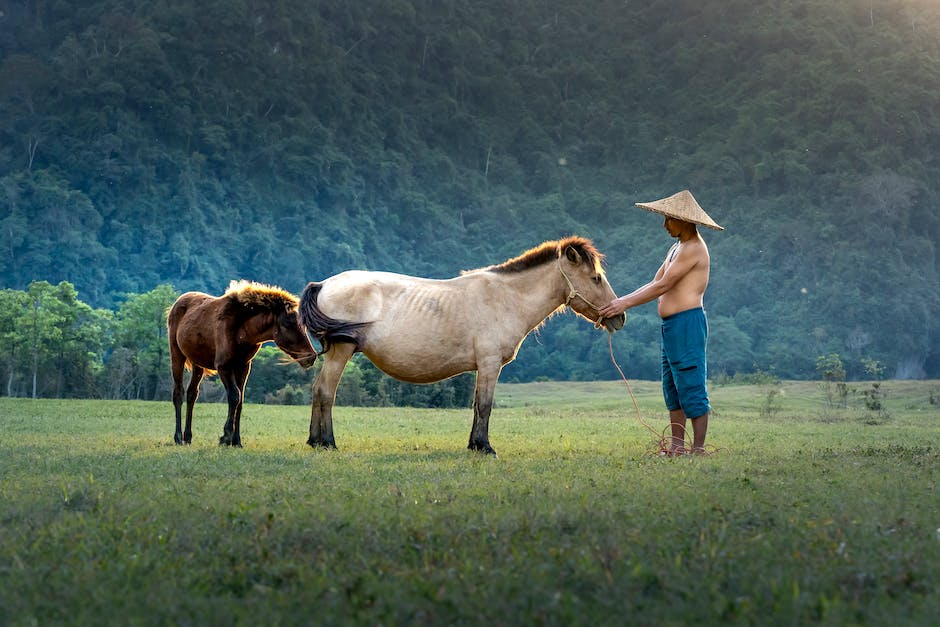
{"x":259,"y":327}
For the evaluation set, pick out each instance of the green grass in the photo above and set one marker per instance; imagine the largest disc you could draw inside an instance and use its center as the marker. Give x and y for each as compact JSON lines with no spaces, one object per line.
{"x":806,"y":515}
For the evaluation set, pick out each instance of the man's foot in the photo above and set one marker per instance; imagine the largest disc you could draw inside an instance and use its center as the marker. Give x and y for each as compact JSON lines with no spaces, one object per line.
{"x":677,"y":451}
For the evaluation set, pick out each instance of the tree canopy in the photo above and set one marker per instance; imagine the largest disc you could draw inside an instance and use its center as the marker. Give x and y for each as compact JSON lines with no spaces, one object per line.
{"x":190,"y":143}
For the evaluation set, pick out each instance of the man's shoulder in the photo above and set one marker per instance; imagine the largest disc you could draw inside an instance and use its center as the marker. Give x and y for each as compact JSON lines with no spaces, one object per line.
{"x":696,"y":250}
{"x":696,"y":245}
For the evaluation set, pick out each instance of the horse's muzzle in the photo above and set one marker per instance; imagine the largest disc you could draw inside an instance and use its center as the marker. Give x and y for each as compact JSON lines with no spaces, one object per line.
{"x":614,"y":324}
{"x":307,"y":360}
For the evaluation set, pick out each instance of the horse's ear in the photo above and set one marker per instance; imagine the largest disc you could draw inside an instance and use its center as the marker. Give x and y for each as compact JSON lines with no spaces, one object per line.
{"x":572,"y":254}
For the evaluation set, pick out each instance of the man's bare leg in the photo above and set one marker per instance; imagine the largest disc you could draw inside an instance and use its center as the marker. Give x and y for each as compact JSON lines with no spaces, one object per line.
{"x":699,"y":428}
{"x":677,"y":422}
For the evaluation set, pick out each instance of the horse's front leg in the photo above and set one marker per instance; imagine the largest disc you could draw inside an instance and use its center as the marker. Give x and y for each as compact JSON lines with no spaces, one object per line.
{"x":324,"y":394}
{"x":233,"y":394}
{"x":241,"y":378}
{"x":487,"y":376}
{"x":192,"y":393}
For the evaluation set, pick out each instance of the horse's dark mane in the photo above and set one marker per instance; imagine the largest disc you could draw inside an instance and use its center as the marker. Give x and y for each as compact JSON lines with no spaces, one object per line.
{"x":249,"y":294}
{"x":550,"y":251}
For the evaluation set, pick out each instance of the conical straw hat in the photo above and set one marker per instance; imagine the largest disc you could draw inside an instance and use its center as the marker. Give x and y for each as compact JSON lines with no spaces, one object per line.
{"x":681,"y":206}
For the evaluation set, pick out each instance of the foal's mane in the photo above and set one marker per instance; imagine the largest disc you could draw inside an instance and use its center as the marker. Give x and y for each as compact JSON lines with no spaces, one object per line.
{"x":251,"y":294}
{"x":550,"y":251}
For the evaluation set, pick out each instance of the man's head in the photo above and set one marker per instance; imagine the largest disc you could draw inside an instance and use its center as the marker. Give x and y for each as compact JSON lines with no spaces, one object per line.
{"x":682,"y":207}
{"x":676,"y":227}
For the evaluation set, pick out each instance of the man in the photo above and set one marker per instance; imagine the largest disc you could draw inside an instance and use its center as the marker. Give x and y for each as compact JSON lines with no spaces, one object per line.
{"x":679,"y":285}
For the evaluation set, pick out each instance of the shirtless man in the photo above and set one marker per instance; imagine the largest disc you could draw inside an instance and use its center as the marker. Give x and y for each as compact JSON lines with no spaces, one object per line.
{"x":679,"y":285}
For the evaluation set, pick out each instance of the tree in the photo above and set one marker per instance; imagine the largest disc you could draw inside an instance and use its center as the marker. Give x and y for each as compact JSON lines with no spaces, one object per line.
{"x":141,"y":349}
{"x":43,"y":326}
{"x":12,"y":334}
{"x":63,"y":337}
{"x":23,"y":78}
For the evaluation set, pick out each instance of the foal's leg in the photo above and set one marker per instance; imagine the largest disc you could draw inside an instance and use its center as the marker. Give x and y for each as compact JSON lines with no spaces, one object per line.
{"x":192,"y":393}
{"x":324,"y":393}
{"x":487,"y":376}
{"x":230,"y":382}
{"x":241,"y":378}
{"x":177,"y":364}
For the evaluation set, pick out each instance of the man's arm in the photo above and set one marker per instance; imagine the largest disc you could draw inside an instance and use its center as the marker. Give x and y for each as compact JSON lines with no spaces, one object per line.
{"x":666,"y":278}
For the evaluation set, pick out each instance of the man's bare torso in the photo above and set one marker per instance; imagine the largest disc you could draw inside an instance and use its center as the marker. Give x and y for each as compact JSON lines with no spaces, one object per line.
{"x":689,"y":291}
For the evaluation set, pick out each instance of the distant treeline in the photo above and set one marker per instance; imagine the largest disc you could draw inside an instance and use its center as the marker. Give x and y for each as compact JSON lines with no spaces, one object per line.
{"x":56,"y":346}
{"x":190,"y":143}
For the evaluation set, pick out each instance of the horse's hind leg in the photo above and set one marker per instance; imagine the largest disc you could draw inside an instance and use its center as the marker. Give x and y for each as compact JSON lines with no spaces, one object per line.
{"x":324,"y":394}
{"x":192,"y":393}
{"x":177,"y":364}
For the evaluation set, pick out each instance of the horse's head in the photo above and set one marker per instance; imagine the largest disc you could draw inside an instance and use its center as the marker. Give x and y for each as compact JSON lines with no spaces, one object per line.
{"x":290,"y":338}
{"x":586,"y":282}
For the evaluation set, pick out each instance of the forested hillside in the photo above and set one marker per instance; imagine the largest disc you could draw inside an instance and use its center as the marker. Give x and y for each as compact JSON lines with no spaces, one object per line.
{"x":184,"y":143}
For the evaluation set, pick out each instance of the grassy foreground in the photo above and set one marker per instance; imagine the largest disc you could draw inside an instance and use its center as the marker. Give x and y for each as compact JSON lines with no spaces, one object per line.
{"x":806,"y":514}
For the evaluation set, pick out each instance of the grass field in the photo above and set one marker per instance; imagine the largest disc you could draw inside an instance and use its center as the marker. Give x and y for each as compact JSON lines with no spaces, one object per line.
{"x":806,"y":514}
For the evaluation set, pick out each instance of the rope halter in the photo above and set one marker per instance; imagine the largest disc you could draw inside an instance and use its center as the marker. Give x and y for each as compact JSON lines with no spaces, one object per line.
{"x":574,"y":293}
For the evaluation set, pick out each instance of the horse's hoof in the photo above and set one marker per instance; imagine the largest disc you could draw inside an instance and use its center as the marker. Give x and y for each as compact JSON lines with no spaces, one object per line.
{"x":484,"y":448}
{"x":177,"y":440}
{"x":315,"y":444}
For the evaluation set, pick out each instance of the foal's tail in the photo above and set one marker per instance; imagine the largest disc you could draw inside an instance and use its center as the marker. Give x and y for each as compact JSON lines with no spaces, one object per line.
{"x":325,"y":329}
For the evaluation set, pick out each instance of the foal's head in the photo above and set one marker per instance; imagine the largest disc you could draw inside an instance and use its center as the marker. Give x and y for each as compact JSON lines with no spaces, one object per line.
{"x":276,"y":309}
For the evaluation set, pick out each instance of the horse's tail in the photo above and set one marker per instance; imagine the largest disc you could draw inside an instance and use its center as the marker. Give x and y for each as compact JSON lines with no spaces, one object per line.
{"x":325,"y":329}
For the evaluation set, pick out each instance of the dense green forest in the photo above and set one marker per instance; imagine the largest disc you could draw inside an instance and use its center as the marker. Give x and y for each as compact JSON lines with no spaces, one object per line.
{"x":148,"y":148}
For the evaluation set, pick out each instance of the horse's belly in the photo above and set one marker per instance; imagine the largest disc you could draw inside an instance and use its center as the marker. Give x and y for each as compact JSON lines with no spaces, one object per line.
{"x":425,"y":366}
{"x":198,"y":350}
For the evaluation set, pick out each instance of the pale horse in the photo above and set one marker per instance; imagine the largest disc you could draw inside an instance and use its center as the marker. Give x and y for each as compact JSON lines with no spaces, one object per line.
{"x":425,"y":330}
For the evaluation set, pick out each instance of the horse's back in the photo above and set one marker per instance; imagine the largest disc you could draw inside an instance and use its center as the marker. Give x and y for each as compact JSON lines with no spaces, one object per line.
{"x":360,"y":295}
{"x":386,"y":298}
{"x":191,"y":326}
{"x":415,"y":329}
{"x":186,"y":302}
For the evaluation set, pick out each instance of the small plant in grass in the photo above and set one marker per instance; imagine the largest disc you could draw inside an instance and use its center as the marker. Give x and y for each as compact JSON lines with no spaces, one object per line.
{"x":832,"y":373}
{"x":874,"y":396}
{"x":772,"y":402}
{"x":758,"y":377}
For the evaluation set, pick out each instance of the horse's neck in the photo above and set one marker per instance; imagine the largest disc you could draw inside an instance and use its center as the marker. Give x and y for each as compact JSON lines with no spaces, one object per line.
{"x":535,"y":292}
{"x":259,"y":327}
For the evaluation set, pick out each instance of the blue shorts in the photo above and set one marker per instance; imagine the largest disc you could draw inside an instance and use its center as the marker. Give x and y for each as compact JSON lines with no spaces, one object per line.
{"x":683,"y":350}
